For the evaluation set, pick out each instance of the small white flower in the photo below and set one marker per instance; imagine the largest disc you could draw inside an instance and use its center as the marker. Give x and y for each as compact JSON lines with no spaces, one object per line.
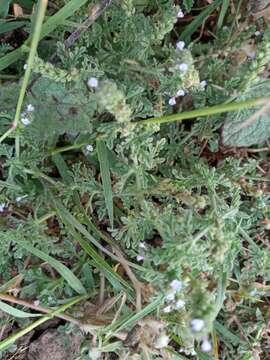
{"x":206,"y":346}
{"x":180,"y":45}
{"x":92,"y":82}
{"x":170,"y":296}
{"x":36,"y":302}
{"x":142,"y":245}
{"x":25,"y":66}
{"x":30,"y":108}
{"x":197,"y":325}
{"x":176,"y":285}
{"x":180,"y":14}
{"x":183,"y":67}
{"x":180,"y":93}
{"x":2,"y":207}
{"x":172,"y":101}
{"x":203,"y":83}
{"x":180,"y":304}
{"x":167,"y":309}
{"x":257,"y":33}
{"x":140,"y":258}
{"x":162,"y":341}
{"x":89,"y":148}
{"x":25,"y":121}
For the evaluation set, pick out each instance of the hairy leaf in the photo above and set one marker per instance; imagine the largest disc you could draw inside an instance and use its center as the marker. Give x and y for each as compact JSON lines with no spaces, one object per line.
{"x":248,"y":126}
{"x":59,"y":108}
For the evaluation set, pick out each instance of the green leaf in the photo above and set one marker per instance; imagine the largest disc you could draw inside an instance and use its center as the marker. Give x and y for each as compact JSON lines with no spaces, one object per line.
{"x":60,"y":108}
{"x":105,"y":175}
{"x":188,"y":4}
{"x":15,"y":312}
{"x":4,"y":6}
{"x":248,"y":126}
{"x":8,"y":26}
{"x":223,"y":12}
{"x":67,"y":274}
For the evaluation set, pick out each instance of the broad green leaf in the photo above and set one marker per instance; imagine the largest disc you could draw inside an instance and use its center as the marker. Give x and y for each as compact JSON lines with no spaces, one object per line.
{"x":15,"y":312}
{"x":105,"y":175}
{"x":60,"y":108}
{"x":4,"y":6}
{"x":67,"y":274}
{"x":248,"y":126}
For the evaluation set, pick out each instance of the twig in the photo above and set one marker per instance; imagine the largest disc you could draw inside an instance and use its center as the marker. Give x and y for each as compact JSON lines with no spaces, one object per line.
{"x":38,"y":308}
{"x":254,"y":151}
{"x":96,"y":11}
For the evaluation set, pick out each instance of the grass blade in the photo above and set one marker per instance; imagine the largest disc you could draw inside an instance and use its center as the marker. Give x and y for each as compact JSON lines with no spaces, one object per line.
{"x":16,"y":312}
{"x":67,"y":274}
{"x":99,"y":262}
{"x":131,"y":319}
{"x":223,"y":11}
{"x":11,"y":339}
{"x":193,"y":26}
{"x":105,"y":175}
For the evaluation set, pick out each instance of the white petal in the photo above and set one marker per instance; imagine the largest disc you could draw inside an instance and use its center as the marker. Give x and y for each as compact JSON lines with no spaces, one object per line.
{"x":140,"y":257}
{"x":167,"y":309}
{"x":176,"y":285}
{"x":206,"y":346}
{"x":183,"y":67}
{"x":25,"y":121}
{"x":180,"y":93}
{"x":197,"y":325}
{"x":30,"y":108}
{"x":180,"y":304}
{"x":180,"y":14}
{"x":172,"y":101}
{"x":180,"y":45}
{"x":92,"y":82}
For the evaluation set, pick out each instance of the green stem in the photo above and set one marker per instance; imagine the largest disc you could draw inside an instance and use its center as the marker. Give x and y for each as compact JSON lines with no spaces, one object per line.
{"x":207,"y":111}
{"x":67,"y":148}
{"x":36,"y":35}
{"x":11,"y":339}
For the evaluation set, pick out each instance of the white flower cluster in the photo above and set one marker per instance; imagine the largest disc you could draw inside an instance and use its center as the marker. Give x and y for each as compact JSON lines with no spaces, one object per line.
{"x":172,"y":100}
{"x":171,"y":297}
{"x":26,"y":115}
